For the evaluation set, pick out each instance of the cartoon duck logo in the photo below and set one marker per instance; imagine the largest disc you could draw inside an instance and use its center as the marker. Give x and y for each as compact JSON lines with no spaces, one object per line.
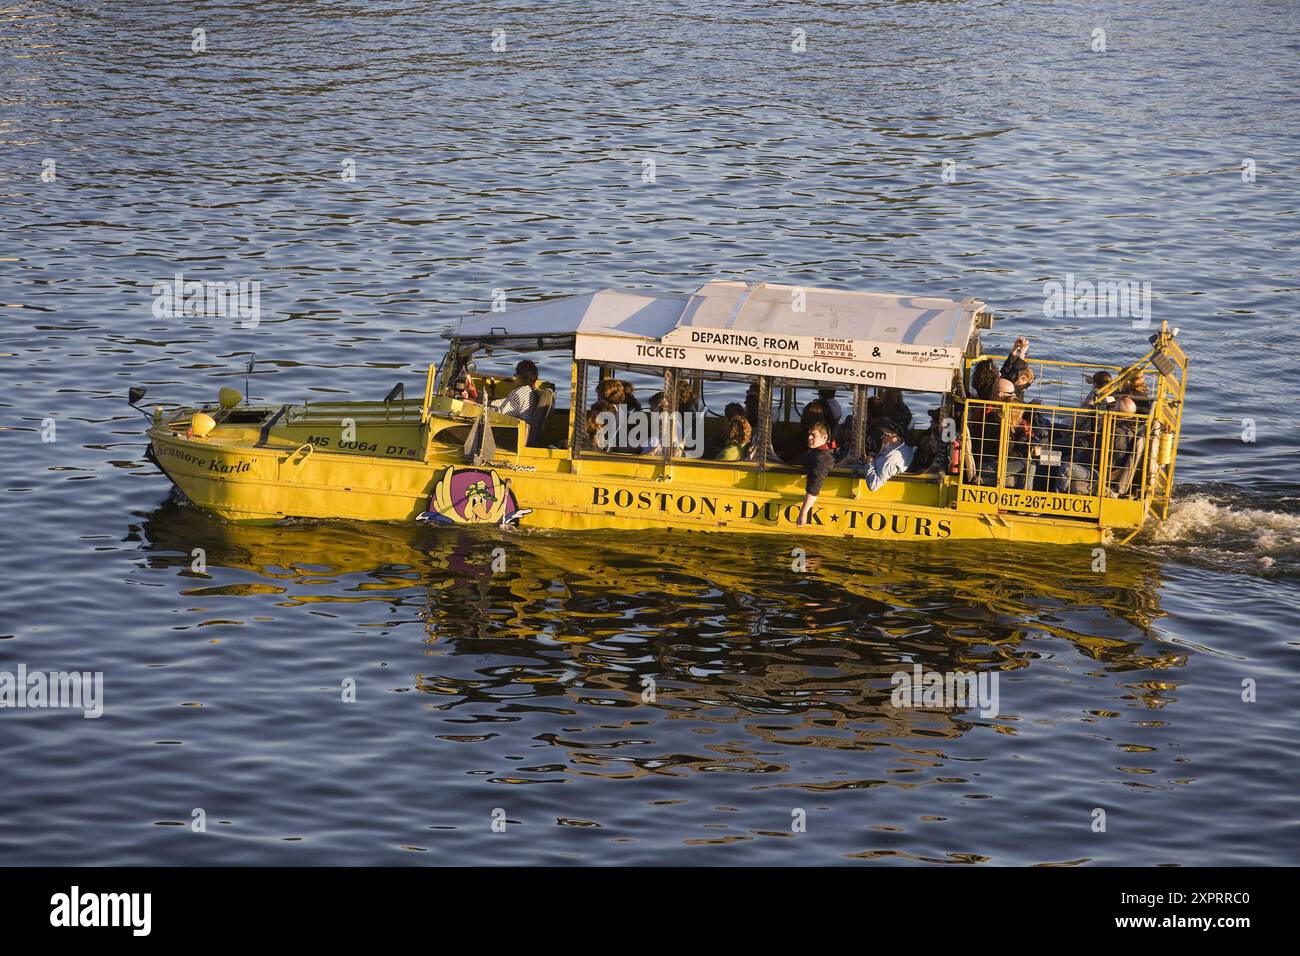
{"x":472,"y":496}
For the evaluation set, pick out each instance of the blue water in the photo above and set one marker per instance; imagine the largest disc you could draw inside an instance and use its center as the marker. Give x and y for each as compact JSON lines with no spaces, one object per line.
{"x":519,"y":694}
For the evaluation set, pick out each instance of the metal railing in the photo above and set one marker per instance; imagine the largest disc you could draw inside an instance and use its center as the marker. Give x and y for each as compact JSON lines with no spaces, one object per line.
{"x":1055,"y":458}
{"x":1065,"y":458}
{"x":1057,"y":383}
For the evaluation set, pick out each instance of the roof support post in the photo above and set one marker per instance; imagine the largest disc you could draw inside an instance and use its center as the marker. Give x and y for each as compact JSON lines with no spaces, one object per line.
{"x":577,"y":412}
{"x":857,"y":441}
{"x":763,"y":427}
{"x":669,"y":440}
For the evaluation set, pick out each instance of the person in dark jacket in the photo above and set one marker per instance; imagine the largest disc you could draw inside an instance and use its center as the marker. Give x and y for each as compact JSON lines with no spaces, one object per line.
{"x":1075,"y":437}
{"x":985,"y":425}
{"x":795,"y":448}
{"x":817,"y":464}
{"x":1123,"y":445}
{"x":982,"y":376}
{"x":896,"y":410}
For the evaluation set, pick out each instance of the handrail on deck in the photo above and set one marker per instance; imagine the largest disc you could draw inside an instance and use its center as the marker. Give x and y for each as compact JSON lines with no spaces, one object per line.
{"x":428,"y":393}
{"x":1052,"y":459}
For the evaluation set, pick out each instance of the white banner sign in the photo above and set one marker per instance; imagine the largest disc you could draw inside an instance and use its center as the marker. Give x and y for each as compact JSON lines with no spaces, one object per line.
{"x":810,"y":346}
{"x":815,"y":359}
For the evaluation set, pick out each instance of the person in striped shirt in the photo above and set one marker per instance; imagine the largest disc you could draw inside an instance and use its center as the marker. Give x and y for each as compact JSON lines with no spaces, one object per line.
{"x":523,"y":398}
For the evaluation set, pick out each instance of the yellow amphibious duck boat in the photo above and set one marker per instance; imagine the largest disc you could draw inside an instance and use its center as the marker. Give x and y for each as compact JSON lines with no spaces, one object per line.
{"x":1053,"y":465}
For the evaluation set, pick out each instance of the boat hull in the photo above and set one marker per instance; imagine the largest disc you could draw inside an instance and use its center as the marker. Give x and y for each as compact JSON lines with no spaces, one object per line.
{"x":267,"y":485}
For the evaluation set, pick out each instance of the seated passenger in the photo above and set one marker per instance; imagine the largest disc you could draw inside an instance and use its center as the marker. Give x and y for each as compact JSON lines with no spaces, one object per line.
{"x":720,"y":441}
{"x":834,"y":413}
{"x":617,"y":392}
{"x":814,"y":414}
{"x":751,"y":403}
{"x":794,"y":447}
{"x":1076,"y":441}
{"x":688,"y":400}
{"x":1135,"y":386}
{"x":523,"y":398}
{"x":817,"y":463}
{"x":1123,"y":445}
{"x":658,"y":409}
{"x":928,"y":454}
{"x":894,"y":456}
{"x":984,"y":422}
{"x":982,"y":377}
{"x":813,"y":411}
{"x":1024,"y":445}
{"x":597,"y":434}
{"x":843,"y":439}
{"x":1099,"y":381}
{"x":1022,"y":381}
{"x":736,"y":433}
{"x":895,"y":409}
{"x":875,"y":411}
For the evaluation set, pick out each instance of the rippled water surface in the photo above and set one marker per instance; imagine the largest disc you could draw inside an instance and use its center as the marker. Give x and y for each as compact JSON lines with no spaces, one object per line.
{"x":524,"y":694}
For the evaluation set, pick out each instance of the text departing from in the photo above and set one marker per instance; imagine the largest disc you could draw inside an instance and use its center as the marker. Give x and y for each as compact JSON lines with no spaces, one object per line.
{"x":820,"y":358}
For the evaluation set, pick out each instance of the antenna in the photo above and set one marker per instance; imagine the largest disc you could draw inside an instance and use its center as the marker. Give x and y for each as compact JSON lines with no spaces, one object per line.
{"x":248,"y":372}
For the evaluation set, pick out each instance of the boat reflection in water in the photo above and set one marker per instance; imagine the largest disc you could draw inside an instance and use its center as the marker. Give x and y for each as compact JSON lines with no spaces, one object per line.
{"x":687,"y":625}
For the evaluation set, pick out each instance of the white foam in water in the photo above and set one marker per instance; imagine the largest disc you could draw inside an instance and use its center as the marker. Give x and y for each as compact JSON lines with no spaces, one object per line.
{"x":1208,"y":527}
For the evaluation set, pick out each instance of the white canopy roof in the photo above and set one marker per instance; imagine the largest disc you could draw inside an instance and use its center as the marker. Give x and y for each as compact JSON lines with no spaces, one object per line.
{"x":789,"y":331}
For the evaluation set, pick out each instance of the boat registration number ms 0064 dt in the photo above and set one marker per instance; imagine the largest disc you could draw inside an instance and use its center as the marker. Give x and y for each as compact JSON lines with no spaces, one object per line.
{"x":401,"y":451}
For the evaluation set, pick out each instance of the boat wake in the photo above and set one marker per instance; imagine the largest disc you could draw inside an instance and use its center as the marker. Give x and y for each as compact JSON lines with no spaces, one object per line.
{"x":1221,"y":529}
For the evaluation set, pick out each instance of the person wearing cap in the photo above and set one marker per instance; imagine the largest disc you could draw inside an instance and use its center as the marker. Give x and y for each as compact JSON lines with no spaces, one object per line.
{"x":895,"y":455}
